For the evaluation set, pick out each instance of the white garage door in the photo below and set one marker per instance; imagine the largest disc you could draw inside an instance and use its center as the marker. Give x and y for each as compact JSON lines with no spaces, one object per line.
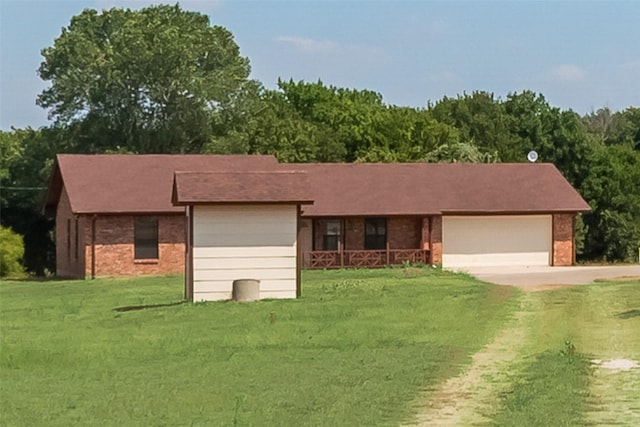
{"x":469,"y":241}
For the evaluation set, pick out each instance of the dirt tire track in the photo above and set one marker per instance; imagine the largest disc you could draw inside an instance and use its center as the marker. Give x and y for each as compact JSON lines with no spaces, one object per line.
{"x":473,"y":397}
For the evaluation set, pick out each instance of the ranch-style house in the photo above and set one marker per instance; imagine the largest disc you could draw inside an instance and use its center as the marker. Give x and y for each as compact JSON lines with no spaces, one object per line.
{"x":223,"y":217}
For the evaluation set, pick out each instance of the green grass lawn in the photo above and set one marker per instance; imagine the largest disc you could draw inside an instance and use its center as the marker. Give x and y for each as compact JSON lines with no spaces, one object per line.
{"x":602,"y":321}
{"x":356,"y":349}
{"x":361,"y":347}
{"x":553,"y":381}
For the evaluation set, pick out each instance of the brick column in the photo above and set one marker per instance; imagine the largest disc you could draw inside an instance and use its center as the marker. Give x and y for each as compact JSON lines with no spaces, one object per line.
{"x":435,"y":239}
{"x":563,"y":239}
{"x":424,"y":234}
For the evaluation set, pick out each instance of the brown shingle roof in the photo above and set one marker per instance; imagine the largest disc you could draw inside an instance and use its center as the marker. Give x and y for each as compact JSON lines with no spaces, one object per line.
{"x":342,"y":189}
{"x":113,"y":183}
{"x":241,"y":187}
{"x":143,"y":184}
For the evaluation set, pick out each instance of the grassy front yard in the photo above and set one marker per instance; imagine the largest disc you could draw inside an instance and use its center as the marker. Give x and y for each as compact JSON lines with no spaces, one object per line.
{"x":360,"y":348}
{"x":355,"y":349}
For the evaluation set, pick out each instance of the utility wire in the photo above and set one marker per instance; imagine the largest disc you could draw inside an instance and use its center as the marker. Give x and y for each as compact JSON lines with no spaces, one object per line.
{"x":23,"y":188}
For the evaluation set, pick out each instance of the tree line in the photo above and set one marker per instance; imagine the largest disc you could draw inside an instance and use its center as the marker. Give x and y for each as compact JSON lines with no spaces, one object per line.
{"x":164,"y":80}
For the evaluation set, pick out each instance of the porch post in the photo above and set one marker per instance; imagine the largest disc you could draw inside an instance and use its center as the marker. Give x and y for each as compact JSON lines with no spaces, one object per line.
{"x":387,"y":252}
{"x":424,"y":239}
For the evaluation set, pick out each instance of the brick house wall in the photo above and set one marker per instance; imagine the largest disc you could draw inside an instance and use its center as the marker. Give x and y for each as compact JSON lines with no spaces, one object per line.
{"x":563,"y":240}
{"x":426,"y":233}
{"x":114,"y":246}
{"x":69,"y":241}
{"x":305,"y":237}
{"x":354,"y":234}
{"x":404,"y":232}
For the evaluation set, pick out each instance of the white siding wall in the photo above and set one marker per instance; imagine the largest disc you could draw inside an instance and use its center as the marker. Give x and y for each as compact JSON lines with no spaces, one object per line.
{"x":469,"y":241}
{"x":244,"y":242}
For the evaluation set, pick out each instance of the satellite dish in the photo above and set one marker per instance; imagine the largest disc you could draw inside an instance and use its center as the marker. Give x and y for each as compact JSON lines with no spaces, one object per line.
{"x":532,"y":156}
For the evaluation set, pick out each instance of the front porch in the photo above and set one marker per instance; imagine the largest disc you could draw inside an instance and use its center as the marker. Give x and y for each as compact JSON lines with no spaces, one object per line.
{"x":369,"y":242}
{"x":363,"y":258}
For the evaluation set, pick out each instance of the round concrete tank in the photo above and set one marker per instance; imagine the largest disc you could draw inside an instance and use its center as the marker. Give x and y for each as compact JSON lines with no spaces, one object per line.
{"x":246,"y":290}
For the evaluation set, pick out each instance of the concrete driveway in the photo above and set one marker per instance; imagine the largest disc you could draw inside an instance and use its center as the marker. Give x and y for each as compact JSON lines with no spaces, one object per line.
{"x":531,"y":276}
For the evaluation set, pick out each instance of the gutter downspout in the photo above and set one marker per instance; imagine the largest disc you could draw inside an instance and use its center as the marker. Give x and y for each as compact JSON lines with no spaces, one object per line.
{"x":430,"y":221}
{"x":93,"y":247}
{"x":298,"y":252}
{"x":188,"y":276}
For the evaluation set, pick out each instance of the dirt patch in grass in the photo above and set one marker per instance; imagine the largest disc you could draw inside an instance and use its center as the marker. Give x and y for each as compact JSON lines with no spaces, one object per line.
{"x":500,"y":294}
{"x":539,"y":288}
{"x":616,"y":364}
{"x":621,"y":279}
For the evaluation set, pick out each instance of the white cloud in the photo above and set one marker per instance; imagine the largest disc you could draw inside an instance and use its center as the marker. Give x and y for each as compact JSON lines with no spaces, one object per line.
{"x":312,"y":46}
{"x":340,"y":64}
{"x":444,"y":77}
{"x":568,"y":73}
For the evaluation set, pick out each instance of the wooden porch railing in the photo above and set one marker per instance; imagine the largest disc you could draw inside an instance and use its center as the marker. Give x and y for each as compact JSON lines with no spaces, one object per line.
{"x":363,"y":258}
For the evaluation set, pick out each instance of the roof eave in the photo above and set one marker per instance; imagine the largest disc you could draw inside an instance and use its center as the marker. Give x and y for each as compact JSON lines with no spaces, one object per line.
{"x":514,"y":211}
{"x":176,"y":210}
{"x":241,"y":202}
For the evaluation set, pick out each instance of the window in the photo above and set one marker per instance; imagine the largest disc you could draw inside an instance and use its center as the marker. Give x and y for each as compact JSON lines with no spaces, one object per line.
{"x":146,"y":238}
{"x":331,"y":236}
{"x":375,"y":233}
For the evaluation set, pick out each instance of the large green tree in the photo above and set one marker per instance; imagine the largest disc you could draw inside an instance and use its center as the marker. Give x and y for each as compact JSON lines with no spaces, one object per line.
{"x":480,"y":120}
{"x":609,"y":128}
{"x":27,"y":156}
{"x":156,"y":80}
{"x":612,"y":188}
{"x":307,"y":122}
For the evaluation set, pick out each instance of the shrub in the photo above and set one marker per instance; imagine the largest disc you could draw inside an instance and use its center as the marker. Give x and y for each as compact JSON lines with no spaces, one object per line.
{"x":11,"y":253}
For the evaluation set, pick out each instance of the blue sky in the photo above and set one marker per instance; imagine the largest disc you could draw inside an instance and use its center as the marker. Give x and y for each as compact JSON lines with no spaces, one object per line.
{"x":581,"y":55}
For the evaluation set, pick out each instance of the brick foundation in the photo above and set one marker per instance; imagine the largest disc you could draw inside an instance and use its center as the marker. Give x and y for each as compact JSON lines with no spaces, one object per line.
{"x":563,"y":240}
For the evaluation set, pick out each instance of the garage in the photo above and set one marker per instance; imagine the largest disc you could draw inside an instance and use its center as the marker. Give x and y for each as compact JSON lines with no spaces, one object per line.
{"x":472,"y":241}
